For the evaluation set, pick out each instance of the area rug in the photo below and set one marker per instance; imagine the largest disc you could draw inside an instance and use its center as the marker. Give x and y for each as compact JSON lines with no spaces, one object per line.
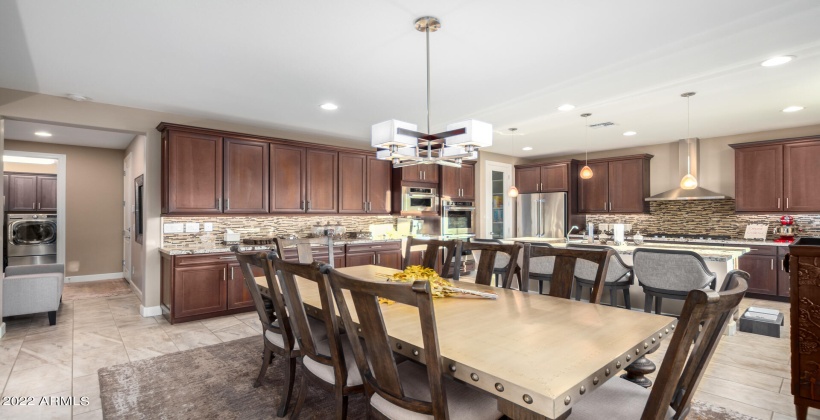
{"x":96,"y":289}
{"x":216,"y":382}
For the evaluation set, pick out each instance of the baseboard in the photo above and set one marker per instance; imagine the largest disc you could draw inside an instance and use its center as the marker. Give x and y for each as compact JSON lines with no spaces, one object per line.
{"x":93,"y":277}
{"x":150,"y":311}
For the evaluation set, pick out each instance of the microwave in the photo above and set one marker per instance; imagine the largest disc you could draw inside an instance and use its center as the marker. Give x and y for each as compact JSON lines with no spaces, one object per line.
{"x":419,"y":199}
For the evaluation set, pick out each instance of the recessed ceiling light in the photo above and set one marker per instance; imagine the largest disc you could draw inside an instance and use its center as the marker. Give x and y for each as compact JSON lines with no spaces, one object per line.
{"x":630,"y":133}
{"x":776,"y":61}
{"x":527,"y":149}
{"x":566,"y":107}
{"x":42,"y":134}
{"x":24,"y":159}
{"x":77,"y":97}
{"x":793,"y":108}
{"x":329,"y":107}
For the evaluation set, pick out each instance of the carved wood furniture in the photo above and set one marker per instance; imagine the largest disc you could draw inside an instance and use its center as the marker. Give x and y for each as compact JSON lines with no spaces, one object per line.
{"x":475,"y":336}
{"x":803,"y":263}
{"x":539,"y":269}
{"x":563,"y":272}
{"x":619,"y":276}
{"x":487,"y":262}
{"x":431,"y":256}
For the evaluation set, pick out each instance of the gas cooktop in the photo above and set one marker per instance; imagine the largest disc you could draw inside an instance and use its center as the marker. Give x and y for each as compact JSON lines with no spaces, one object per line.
{"x":687,"y":236}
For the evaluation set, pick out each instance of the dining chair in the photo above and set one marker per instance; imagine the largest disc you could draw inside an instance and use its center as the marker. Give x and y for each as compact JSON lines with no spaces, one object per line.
{"x":669,"y":273}
{"x":502,"y":260}
{"x":563,"y":272}
{"x":277,"y":334}
{"x":327,"y":359}
{"x":430,"y":255}
{"x":619,"y":276}
{"x":491,"y":253}
{"x":407,"y":390}
{"x":540,"y":268}
{"x":304,"y":247}
{"x":702,"y":322}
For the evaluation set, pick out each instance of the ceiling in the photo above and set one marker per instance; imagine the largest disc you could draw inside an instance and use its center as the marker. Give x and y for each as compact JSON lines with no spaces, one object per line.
{"x":62,"y":134}
{"x":509,"y":63}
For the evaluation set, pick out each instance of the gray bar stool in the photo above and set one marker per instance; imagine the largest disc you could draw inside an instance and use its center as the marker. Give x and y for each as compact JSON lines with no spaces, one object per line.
{"x":667,"y":273}
{"x":619,"y":275}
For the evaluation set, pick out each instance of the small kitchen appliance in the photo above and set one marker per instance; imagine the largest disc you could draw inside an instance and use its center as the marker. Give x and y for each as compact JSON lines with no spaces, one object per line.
{"x":787,"y":229}
{"x":409,"y":226}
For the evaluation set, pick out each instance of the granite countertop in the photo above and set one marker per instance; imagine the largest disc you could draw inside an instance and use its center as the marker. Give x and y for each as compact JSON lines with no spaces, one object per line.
{"x":702,"y":241}
{"x":709,"y":253}
{"x":221,"y":249}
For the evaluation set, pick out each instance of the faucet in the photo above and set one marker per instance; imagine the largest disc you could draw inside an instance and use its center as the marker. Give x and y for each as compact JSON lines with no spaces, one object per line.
{"x":570,"y":231}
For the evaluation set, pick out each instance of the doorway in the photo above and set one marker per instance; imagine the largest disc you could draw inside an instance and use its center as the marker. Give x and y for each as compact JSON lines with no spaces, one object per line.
{"x":127,"y":213}
{"x":498,"y":220}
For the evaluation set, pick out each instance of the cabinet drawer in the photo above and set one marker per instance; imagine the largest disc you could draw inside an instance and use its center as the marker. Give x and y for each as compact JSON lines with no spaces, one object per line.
{"x":370,"y":247}
{"x":762,"y":250}
{"x":187,"y":260}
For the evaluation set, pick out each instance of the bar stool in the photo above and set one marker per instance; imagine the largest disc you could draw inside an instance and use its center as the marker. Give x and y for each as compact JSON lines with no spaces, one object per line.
{"x":619,"y":276}
{"x":667,"y":273}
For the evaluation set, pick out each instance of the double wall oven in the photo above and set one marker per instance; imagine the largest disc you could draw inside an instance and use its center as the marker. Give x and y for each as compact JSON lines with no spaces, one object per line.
{"x":457,"y":219}
{"x":32,"y":239}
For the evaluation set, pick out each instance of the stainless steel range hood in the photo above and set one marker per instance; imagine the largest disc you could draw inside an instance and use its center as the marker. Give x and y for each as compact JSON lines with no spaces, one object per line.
{"x":688,"y":148}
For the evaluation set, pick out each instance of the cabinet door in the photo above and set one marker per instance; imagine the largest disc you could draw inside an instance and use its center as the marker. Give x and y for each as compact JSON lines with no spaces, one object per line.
{"x":555,"y":178}
{"x":626,"y":192}
{"x":759,"y":178}
{"x":762,"y":273}
{"x":200,"y":289}
{"x":322,"y":181}
{"x":238,"y":294}
{"x":47,"y":192}
{"x":194,"y":173}
{"x":528,"y":180}
{"x":593,"y":193}
{"x":5,"y":192}
{"x":783,"y":279}
{"x":389,"y":259}
{"x":429,"y":173}
{"x":364,"y":258}
{"x":411,"y":173}
{"x":287,"y":179}
{"x":467,"y":176}
{"x":246,"y":176}
{"x":379,"y":174}
{"x":801,"y":171}
{"x":450,"y":182}
{"x":22,"y":192}
{"x":352,"y":183}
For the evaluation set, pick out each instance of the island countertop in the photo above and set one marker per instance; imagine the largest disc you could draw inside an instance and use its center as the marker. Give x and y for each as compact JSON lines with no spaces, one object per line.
{"x":220,"y":248}
{"x":709,"y":253}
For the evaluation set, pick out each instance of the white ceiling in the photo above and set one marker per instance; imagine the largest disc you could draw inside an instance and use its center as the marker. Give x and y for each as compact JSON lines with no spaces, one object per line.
{"x":509,"y":63}
{"x":62,"y":134}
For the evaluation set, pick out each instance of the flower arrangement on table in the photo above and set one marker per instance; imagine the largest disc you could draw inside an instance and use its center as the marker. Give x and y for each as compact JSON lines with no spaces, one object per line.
{"x":439,"y":287}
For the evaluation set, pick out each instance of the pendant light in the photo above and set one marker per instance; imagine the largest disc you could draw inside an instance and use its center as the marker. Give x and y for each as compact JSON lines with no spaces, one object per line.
{"x":688,"y":182}
{"x":586,"y":171}
{"x":513,"y":191}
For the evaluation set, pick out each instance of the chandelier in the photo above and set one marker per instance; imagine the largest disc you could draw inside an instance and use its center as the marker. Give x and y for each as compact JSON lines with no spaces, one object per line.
{"x":402,"y":143}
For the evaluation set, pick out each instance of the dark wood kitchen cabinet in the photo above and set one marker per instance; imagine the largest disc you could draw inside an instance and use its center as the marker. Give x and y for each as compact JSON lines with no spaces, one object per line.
{"x":544,"y":177}
{"x":528,"y":180}
{"x":385,"y":254}
{"x":202,"y":289}
{"x":192,"y":173}
{"x":47,"y":193}
{"x":246,"y":176}
{"x":287,"y":179}
{"x":420,"y":173}
{"x":618,"y":185}
{"x":364,"y":184}
{"x":458,"y":183}
{"x":778,"y":175}
{"x":379,"y":195}
{"x":22,"y":192}
{"x":238,"y":294}
{"x":593,"y":193}
{"x":762,"y":271}
{"x":321,"y":181}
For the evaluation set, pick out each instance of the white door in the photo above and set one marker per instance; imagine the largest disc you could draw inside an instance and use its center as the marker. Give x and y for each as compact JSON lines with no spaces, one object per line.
{"x":127,"y":216}
{"x":498,"y":219}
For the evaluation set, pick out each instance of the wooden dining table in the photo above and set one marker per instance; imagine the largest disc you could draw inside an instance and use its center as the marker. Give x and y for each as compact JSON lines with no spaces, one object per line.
{"x":538,"y":355}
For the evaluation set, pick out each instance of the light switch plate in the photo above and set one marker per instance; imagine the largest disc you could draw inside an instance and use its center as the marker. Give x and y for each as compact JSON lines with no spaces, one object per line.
{"x":172,"y":228}
{"x":192,"y":227}
{"x":208,"y":227}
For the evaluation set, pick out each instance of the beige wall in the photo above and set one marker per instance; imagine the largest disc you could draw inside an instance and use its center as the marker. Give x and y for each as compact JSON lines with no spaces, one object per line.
{"x":30,"y":168}
{"x":137,"y":151}
{"x":717,"y":159}
{"x":93,"y":206}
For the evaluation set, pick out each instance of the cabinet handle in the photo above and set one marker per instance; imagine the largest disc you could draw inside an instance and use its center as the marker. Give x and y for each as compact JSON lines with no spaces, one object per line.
{"x":227,"y":204}
{"x":604,"y":205}
{"x":231,"y":274}
{"x":772,"y":261}
{"x":302,"y":205}
{"x":364,"y":206}
{"x":32,"y":206}
{"x":369,"y":206}
{"x":224,"y":273}
{"x":783,"y":264}
{"x":610,"y":206}
{"x":38,"y":204}
{"x":778,"y":202}
{"x":308,"y":205}
{"x":378,"y":259}
{"x":219,"y":204}
{"x":374,"y":259}
{"x":541,"y":186}
{"x":787,"y":202}
{"x":227,"y":258}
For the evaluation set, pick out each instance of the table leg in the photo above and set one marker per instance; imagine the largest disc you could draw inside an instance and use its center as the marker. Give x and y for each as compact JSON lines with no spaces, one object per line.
{"x":637,"y":371}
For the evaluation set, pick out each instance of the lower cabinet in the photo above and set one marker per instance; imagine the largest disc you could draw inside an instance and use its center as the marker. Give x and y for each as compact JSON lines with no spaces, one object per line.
{"x":238,"y":294}
{"x":385,"y":254}
{"x":765,"y":267}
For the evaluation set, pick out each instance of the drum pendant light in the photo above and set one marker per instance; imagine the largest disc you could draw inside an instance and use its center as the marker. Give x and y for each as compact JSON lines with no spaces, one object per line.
{"x":688,"y":182}
{"x":513,"y":191}
{"x":586,"y":171}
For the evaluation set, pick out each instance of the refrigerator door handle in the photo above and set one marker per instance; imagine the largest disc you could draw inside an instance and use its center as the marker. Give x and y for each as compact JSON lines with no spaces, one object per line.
{"x":538,"y":219}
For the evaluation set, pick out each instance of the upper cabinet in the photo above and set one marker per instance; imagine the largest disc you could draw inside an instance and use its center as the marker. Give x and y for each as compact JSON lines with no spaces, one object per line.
{"x":777,"y":176}
{"x":618,"y":185}
{"x":213,"y":172}
{"x":458,"y":183}
{"x":30,"y":192}
{"x":420,"y":173}
{"x":544,"y":177}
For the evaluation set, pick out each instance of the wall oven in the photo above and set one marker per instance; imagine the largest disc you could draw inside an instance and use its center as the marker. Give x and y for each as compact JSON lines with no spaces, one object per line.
{"x":457,"y":219}
{"x":31,"y":239}
{"x":419,"y":199}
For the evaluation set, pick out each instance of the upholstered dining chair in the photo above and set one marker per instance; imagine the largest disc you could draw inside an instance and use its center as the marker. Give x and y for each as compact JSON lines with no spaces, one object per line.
{"x":304,"y":248}
{"x":430,"y":254}
{"x":669,"y":273}
{"x":540,"y":268}
{"x":488,"y":262}
{"x":619,"y":276}
{"x":566,"y":260}
{"x":277,"y":335}
{"x":326,"y":356}
{"x":407,"y":390}
{"x":502,"y":260}
{"x":702,"y":322}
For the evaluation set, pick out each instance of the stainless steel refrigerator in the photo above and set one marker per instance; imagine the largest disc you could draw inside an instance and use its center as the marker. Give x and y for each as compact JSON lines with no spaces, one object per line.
{"x":542,"y":215}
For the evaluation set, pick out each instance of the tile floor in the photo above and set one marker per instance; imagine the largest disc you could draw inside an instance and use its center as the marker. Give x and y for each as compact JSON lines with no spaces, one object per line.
{"x":749,"y":373}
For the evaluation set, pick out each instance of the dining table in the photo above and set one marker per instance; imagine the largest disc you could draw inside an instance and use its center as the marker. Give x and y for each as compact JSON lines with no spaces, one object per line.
{"x":537,"y":355}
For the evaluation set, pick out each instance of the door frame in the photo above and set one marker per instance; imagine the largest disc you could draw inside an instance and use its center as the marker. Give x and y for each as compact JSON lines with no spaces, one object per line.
{"x":127,"y":215}
{"x":61,"y":183}
{"x":507,"y":169}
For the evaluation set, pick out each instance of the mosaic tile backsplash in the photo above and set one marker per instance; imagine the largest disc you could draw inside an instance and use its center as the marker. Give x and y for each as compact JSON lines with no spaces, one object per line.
{"x":264,"y":226}
{"x":704,"y":217}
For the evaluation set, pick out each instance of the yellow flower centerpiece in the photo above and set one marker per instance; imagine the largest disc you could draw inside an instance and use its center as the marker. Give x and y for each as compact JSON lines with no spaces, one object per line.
{"x":416,"y":272}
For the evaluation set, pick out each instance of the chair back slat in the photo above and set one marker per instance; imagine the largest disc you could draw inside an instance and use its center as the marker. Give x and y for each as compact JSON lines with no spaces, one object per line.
{"x":304,"y":248}
{"x":486,"y":262}
{"x":703,"y":320}
{"x":563,"y":272}
{"x":375,"y":359}
{"x":431,"y":254}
